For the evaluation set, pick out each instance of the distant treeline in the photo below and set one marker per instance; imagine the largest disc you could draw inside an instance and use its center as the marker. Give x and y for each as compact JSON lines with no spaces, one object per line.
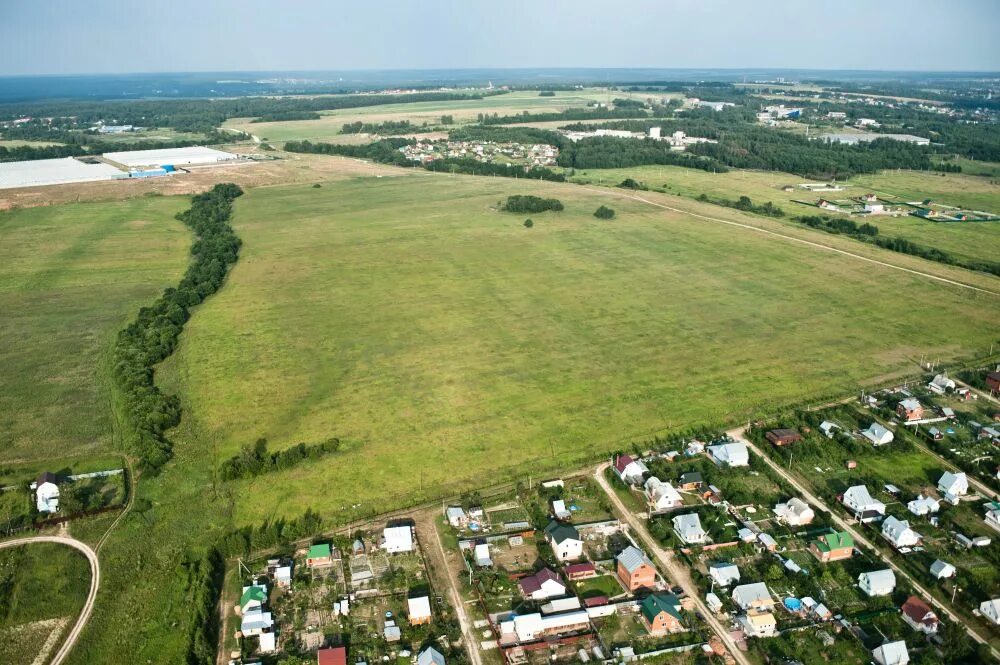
{"x":388,"y":127}
{"x":628,"y":110}
{"x":255,"y":460}
{"x":387,"y":151}
{"x":869,"y":233}
{"x":152,"y":336}
{"x":285,"y":116}
{"x":531,"y":204}
{"x":204,"y":115}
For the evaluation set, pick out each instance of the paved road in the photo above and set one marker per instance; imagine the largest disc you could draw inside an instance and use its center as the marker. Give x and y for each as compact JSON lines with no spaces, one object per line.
{"x":803,"y":241}
{"x":95,"y":582}
{"x":677,"y":573}
{"x":860,"y":538}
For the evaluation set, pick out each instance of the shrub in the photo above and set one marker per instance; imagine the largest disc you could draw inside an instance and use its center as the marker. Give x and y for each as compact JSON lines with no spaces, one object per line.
{"x":604,"y":212}
{"x":528,"y":223}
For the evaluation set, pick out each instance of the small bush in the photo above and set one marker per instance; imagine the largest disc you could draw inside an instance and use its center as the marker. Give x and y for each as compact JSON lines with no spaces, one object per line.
{"x":528,"y":223}
{"x":317,"y":186}
{"x":604,"y":212}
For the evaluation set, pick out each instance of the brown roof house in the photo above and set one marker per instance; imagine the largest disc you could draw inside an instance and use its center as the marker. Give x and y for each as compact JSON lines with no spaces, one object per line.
{"x":783,"y":437}
{"x":920,"y":616}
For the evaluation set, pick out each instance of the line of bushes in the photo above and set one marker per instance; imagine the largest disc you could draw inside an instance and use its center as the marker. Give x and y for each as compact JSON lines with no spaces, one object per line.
{"x":284,"y":116}
{"x":152,"y":336}
{"x":204,"y":588}
{"x":869,"y":233}
{"x":744,"y":203}
{"x":532,"y":204}
{"x":255,"y":460}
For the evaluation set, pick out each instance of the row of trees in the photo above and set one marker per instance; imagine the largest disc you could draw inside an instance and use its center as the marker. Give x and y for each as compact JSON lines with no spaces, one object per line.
{"x":255,"y":460}
{"x":284,"y":116}
{"x":744,"y":203}
{"x":152,"y":336}
{"x":531,"y":204}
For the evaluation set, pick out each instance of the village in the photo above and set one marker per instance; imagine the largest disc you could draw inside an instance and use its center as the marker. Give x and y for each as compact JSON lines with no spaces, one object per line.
{"x":488,"y":152}
{"x":702,"y":545}
{"x":873,"y":205}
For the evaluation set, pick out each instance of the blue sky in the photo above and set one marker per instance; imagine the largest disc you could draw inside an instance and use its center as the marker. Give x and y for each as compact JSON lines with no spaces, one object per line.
{"x":98,"y":36}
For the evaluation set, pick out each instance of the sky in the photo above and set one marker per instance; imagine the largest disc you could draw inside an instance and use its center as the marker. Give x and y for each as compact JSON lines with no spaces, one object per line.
{"x":105,"y":37}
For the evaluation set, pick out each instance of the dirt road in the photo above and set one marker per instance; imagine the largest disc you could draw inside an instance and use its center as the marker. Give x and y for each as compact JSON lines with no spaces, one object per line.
{"x":860,"y":539}
{"x":677,"y":573}
{"x":95,"y":582}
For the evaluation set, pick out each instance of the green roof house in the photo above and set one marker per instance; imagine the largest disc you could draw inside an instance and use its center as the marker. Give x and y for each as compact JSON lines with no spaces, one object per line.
{"x":833,"y":546}
{"x":253,"y":596}
{"x":661,"y":613}
{"x":319,"y":555}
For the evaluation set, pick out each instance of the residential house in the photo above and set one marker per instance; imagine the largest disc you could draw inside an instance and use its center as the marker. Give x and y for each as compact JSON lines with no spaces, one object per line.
{"x":935,"y":433}
{"x":941,"y":569}
{"x":865,"y":507}
{"x":661,"y":496}
{"x":256,"y":622}
{"x":758,"y":623}
{"x":828,"y":428}
{"x":430,"y":656}
{"x":993,"y":514}
{"x":991,"y":610}
{"x":319,"y":556}
{"x":635,"y":570}
{"x":418,"y":610}
{"x":481,"y":555}
{"x":920,"y":616}
{"x":254,"y":597}
{"x":899,"y":533}
{"x":391,"y":632}
{"x":833,"y":546}
{"x":767,"y":541}
{"x":941,"y":384}
{"x":783,"y":437}
{"x":694,"y":448}
{"x":456,"y":516}
{"x":283,"y":576}
{"x":46,"y":493}
{"x":565,"y":541}
{"x":630,"y":470}
{"x":910,"y":409}
{"x":332,"y":656}
{"x":877,"y":434}
{"x":691,"y":480}
{"x":891,"y":653}
{"x":753,"y":596}
{"x":947,"y":412}
{"x":730,"y":454}
{"x":535,"y":626}
{"x":923,"y":505}
{"x":688,"y":528}
{"x":714,"y":602}
{"x":559,"y":510}
{"x":993,"y":381}
{"x":661,"y":613}
{"x":795,"y":512}
{"x":953,"y":486}
{"x":397,"y":539}
{"x":557,"y":605}
{"x":724,"y":574}
{"x":580,"y":571}
{"x":542,"y":585}
{"x":877,"y":582}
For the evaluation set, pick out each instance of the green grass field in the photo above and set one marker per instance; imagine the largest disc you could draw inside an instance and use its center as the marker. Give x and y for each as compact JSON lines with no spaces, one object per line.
{"x":969,"y":240}
{"x":430,"y":112}
{"x":408,"y":317}
{"x":70,"y":277}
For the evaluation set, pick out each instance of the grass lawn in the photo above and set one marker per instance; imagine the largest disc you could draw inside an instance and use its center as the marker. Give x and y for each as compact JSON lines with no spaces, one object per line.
{"x":430,"y":112}
{"x":603,"y":585}
{"x":977,"y":240}
{"x":70,"y":277}
{"x":409,"y":318}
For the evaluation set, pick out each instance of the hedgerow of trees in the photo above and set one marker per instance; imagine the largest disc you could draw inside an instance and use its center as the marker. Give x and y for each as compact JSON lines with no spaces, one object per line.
{"x":255,"y":460}
{"x":531,"y":204}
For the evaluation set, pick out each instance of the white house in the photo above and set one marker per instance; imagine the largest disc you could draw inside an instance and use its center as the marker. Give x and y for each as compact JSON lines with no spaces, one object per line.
{"x":397,"y":539}
{"x":283,"y":576}
{"x":631,"y":471}
{"x":991,"y":610}
{"x":891,"y":653}
{"x":953,"y":486}
{"x":993,"y":514}
{"x":753,"y":596}
{"x":542,"y":585}
{"x":942,"y":569}
{"x":899,"y":533}
{"x":877,"y":434}
{"x":941,"y":384}
{"x":430,"y":656}
{"x":923,"y":505}
{"x":256,"y":622}
{"x":661,"y":495}
{"x":865,"y":507}
{"x":724,"y":574}
{"x":565,"y":540}
{"x":418,"y":610}
{"x":482,"y":555}
{"x":253,"y":597}
{"x":795,"y":512}
{"x":730,"y":454}
{"x":456,"y":516}
{"x":528,"y":627}
{"x":559,"y":510}
{"x":877,"y":582}
{"x":688,"y":528}
{"x":828,"y":428}
{"x":46,"y":493}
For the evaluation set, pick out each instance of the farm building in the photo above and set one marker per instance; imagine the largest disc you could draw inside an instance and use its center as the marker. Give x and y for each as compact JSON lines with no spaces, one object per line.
{"x":54,"y":172}
{"x":193,"y":156}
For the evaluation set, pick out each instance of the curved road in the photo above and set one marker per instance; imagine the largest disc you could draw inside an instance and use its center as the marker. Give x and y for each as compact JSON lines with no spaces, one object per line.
{"x":95,"y":581}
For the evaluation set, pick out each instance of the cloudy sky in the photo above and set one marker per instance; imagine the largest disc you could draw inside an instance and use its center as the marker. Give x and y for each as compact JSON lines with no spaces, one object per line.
{"x":101,"y":36}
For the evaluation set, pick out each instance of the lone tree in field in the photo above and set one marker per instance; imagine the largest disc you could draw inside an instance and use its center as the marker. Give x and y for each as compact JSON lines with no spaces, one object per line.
{"x":604,"y":212}
{"x":528,"y":223}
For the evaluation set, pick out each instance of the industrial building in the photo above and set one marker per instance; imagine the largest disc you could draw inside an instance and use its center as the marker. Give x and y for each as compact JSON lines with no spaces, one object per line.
{"x":158,"y":158}
{"x":865,"y":137}
{"x":54,"y":172}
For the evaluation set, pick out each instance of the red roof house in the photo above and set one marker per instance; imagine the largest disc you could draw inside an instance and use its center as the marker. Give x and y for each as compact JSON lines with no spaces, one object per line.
{"x":919,"y":615}
{"x":332,"y":656}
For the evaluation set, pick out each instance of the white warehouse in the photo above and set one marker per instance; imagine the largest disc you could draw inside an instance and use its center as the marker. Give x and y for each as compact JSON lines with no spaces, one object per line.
{"x":193,"y":156}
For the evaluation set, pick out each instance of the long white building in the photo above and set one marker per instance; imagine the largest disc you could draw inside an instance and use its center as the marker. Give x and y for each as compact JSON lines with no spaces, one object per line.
{"x":193,"y":156}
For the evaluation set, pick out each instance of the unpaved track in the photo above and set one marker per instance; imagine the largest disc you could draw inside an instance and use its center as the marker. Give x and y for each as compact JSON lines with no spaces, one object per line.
{"x":861,"y":539}
{"x":95,"y":582}
{"x":677,"y":573}
{"x":803,"y":241}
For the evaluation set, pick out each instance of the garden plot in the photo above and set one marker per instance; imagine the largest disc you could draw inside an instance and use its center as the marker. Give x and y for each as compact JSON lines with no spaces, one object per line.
{"x":514,"y":557}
